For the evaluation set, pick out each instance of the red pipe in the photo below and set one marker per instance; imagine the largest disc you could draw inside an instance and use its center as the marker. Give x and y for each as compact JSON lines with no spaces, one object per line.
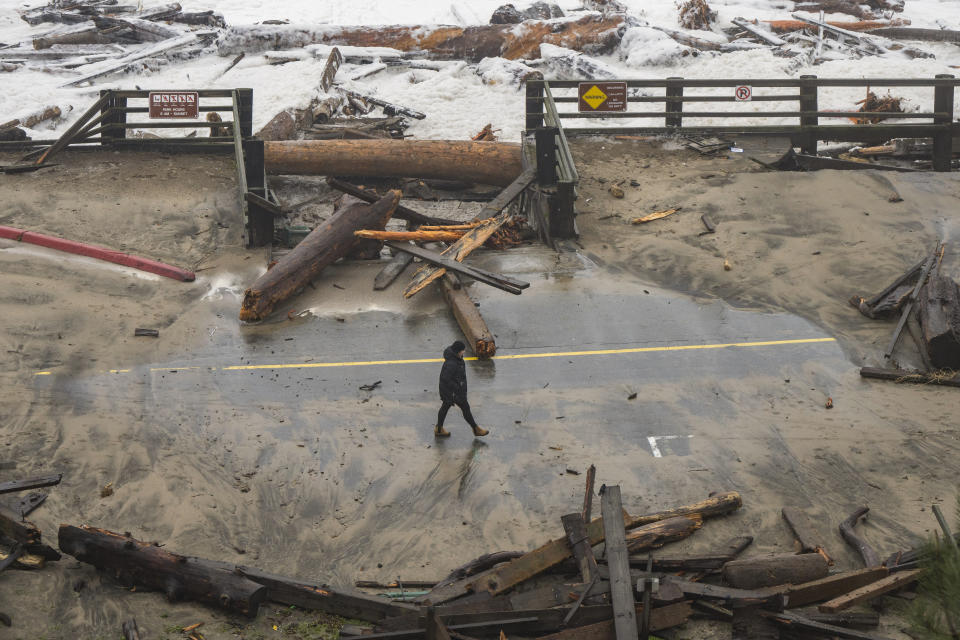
{"x":100,"y":253}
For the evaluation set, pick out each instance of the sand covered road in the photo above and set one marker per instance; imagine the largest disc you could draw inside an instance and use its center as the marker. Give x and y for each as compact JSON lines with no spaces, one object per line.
{"x":300,"y":472}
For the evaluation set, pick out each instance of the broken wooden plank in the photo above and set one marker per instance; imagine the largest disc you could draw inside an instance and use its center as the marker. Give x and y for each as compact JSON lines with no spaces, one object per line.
{"x":916,"y":377}
{"x":870,"y":591}
{"x":334,"y":60}
{"x":505,"y":283}
{"x":657,"y":534}
{"x":621,"y":584}
{"x":30,"y":483}
{"x":790,"y":620}
{"x":576,"y":530}
{"x":730,"y":596}
{"x":870,"y":558}
{"x":475,"y":237}
{"x":656,"y":215}
{"x":863,"y":620}
{"x":588,"y":493}
{"x":30,"y":502}
{"x":778,"y":569}
{"x":474,"y":327}
{"x":908,"y":307}
{"x":805,"y":532}
{"x":12,"y":556}
{"x":716,"y":505}
{"x":764,"y":35}
{"x":69,"y":134}
{"x":159,"y":48}
{"x":661,"y":618}
{"x":800,"y":595}
{"x":398,"y":263}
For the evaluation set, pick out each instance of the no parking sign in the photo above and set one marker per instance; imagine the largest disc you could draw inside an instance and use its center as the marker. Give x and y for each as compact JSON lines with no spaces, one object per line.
{"x":743,"y":93}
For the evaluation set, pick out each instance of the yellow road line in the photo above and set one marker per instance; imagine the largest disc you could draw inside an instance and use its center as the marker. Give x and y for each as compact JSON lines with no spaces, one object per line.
{"x":520,"y":356}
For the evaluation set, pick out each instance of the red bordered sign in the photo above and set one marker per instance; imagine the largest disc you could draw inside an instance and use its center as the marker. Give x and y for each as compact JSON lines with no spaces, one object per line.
{"x":743,"y":93}
{"x":174,"y":104}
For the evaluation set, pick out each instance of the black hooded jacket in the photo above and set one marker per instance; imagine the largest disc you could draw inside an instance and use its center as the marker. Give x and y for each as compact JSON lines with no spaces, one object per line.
{"x":453,"y":377}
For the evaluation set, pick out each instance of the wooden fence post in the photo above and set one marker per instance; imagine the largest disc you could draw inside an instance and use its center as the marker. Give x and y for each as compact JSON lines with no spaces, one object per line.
{"x":546,"y":140}
{"x":943,"y":140}
{"x":246,"y":111}
{"x":808,"y":103}
{"x":675,"y":106}
{"x":534,"y":106}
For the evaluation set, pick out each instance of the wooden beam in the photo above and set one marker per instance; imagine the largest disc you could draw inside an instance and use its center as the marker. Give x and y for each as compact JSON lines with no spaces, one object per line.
{"x":657,"y":534}
{"x":499,"y":281}
{"x":832,"y":586}
{"x":621,"y":583}
{"x":474,"y":327}
{"x":400,"y":261}
{"x":588,"y":493}
{"x":802,"y":623}
{"x":576,"y":531}
{"x":30,"y":483}
{"x":729,"y":596}
{"x":870,"y":591}
{"x":661,"y":618}
{"x":21,"y":531}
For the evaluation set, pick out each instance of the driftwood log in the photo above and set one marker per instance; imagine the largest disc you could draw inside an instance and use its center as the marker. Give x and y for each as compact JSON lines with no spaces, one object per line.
{"x":496,"y":163}
{"x":590,"y":33}
{"x":939,"y":304}
{"x":657,"y":534}
{"x":870,"y":558}
{"x":474,"y":327}
{"x":322,"y":247}
{"x":769,"y":571}
{"x":136,"y":563}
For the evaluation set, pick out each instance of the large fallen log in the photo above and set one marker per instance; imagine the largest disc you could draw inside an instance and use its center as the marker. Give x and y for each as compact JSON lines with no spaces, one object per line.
{"x":474,"y":328}
{"x":589,"y":33}
{"x":786,"y":26}
{"x":495,"y":163}
{"x":769,"y":571}
{"x":939,"y":305}
{"x":136,"y":563}
{"x":657,"y":534}
{"x":324,"y":245}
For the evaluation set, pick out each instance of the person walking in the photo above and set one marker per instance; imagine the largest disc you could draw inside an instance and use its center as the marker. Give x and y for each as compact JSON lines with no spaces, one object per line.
{"x":453,"y":390}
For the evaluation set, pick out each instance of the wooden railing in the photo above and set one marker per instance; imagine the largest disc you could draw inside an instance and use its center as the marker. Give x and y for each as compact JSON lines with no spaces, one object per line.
{"x":937,"y":122}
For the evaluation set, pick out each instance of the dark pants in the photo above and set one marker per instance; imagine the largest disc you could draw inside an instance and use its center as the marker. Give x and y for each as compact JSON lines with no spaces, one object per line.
{"x":464,"y":407}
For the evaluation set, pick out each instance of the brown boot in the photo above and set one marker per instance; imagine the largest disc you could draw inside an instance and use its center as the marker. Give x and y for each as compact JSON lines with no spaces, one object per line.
{"x":479,"y":432}
{"x":440,"y":432}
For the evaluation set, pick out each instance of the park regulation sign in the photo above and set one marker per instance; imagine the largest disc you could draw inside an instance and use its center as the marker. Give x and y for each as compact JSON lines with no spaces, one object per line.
{"x":601,"y":96}
{"x":174,"y":104}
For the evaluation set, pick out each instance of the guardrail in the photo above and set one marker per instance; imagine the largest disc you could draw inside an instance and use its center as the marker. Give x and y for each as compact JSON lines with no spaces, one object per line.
{"x":937,"y":123}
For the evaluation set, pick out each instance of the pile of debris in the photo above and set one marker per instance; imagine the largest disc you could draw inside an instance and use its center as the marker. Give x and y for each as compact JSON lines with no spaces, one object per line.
{"x":21,"y":546}
{"x":932,"y":302}
{"x":598,"y":580}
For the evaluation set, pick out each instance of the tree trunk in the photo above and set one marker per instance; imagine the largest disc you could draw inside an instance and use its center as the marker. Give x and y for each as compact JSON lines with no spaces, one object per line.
{"x":753,"y":573}
{"x":142,"y":564}
{"x":940,"y":321}
{"x":870,"y":558}
{"x":496,"y":163}
{"x":659,"y":533}
{"x":593,"y":33}
{"x":325,"y":245}
{"x":471,"y":323}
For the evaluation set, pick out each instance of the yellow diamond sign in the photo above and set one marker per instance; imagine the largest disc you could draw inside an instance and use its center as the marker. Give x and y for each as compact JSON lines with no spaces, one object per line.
{"x":594,"y":96}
